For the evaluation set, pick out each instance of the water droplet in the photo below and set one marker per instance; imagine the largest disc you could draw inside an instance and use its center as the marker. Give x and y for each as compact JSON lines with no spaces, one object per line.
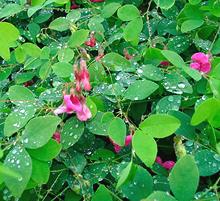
{"x":181,"y":85}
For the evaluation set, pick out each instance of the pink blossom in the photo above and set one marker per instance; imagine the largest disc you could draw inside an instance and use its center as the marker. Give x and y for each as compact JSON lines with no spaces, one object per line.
{"x":159,"y":160}
{"x":74,"y":5}
{"x":91,"y":42}
{"x":84,"y":114}
{"x":84,"y":75}
{"x":71,"y":103}
{"x":168,"y":165}
{"x":164,"y":63}
{"x":201,"y":62}
{"x":117,"y":147}
{"x":57,"y":137}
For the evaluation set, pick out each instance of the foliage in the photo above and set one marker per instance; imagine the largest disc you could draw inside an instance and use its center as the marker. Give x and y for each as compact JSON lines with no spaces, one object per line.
{"x":92,"y":92}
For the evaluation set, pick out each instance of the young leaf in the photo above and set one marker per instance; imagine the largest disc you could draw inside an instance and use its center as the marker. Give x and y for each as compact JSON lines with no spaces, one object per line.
{"x":165,"y":4}
{"x":184,"y":178}
{"x":154,"y":125}
{"x":59,"y":24}
{"x":145,"y":147}
{"x":78,"y":38}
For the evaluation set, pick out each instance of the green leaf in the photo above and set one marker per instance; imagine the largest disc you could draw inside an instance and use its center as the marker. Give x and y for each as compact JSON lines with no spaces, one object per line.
{"x":72,"y":131}
{"x":155,"y":124}
{"x":135,"y":90}
{"x":185,"y":129}
{"x":20,"y":95}
{"x":125,"y":174}
{"x":138,"y":187}
{"x":24,"y":77}
{"x":194,"y":2}
{"x":10,"y":10}
{"x":117,"y":131}
{"x":177,"y":84}
{"x":40,"y":172}
{"x":18,"y":118}
{"x":165,"y":4}
{"x":168,"y":103}
{"x":109,"y":9}
{"x":190,"y":25}
{"x":78,"y":38}
{"x":133,"y":30}
{"x":7,"y":172}
{"x":128,"y":12}
{"x":33,"y":137}
{"x":62,"y":69}
{"x":208,"y":162}
{"x":47,"y":152}
{"x":145,"y":147}
{"x":20,"y":162}
{"x":173,"y":57}
{"x":65,"y":55}
{"x":216,"y":47}
{"x":116,"y":62}
{"x":92,"y":106}
{"x":160,"y":196}
{"x":73,"y":15}
{"x":205,"y":111}
{"x":151,"y":72}
{"x":96,"y":126}
{"x":8,"y":32}
{"x":31,"y":49}
{"x":102,"y":193}
{"x":45,"y":70}
{"x":59,"y":24}
{"x":185,"y":170}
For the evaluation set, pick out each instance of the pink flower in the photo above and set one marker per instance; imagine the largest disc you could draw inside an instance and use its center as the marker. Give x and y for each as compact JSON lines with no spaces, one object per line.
{"x":74,"y":5}
{"x":168,"y":165}
{"x":84,"y":75}
{"x":91,"y":42}
{"x":71,"y":104}
{"x":84,"y":114}
{"x":57,"y":137}
{"x":201,"y":62}
{"x":117,"y":147}
{"x":159,"y":160}
{"x":164,"y":63}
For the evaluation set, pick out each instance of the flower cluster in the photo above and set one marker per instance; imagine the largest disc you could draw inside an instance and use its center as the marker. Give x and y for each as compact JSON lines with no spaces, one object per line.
{"x":75,"y":101}
{"x":201,"y":62}
{"x":167,"y":164}
{"x":117,"y":147}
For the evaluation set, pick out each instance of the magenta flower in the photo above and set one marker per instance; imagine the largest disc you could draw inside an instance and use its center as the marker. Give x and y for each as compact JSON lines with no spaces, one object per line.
{"x":117,"y":147}
{"x":57,"y":137}
{"x":167,"y":164}
{"x":71,"y":103}
{"x":201,"y":62}
{"x":84,"y":75}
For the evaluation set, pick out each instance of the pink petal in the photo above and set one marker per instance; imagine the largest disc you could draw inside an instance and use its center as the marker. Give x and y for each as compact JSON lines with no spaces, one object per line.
{"x":61,"y":109}
{"x":205,"y":68}
{"x":72,"y":103}
{"x":200,"y":57}
{"x":84,"y":114}
{"x":168,"y":165}
{"x":128,"y":140}
{"x":57,"y":137}
{"x":159,"y":160}
{"x":117,"y":148}
{"x":195,"y":65}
